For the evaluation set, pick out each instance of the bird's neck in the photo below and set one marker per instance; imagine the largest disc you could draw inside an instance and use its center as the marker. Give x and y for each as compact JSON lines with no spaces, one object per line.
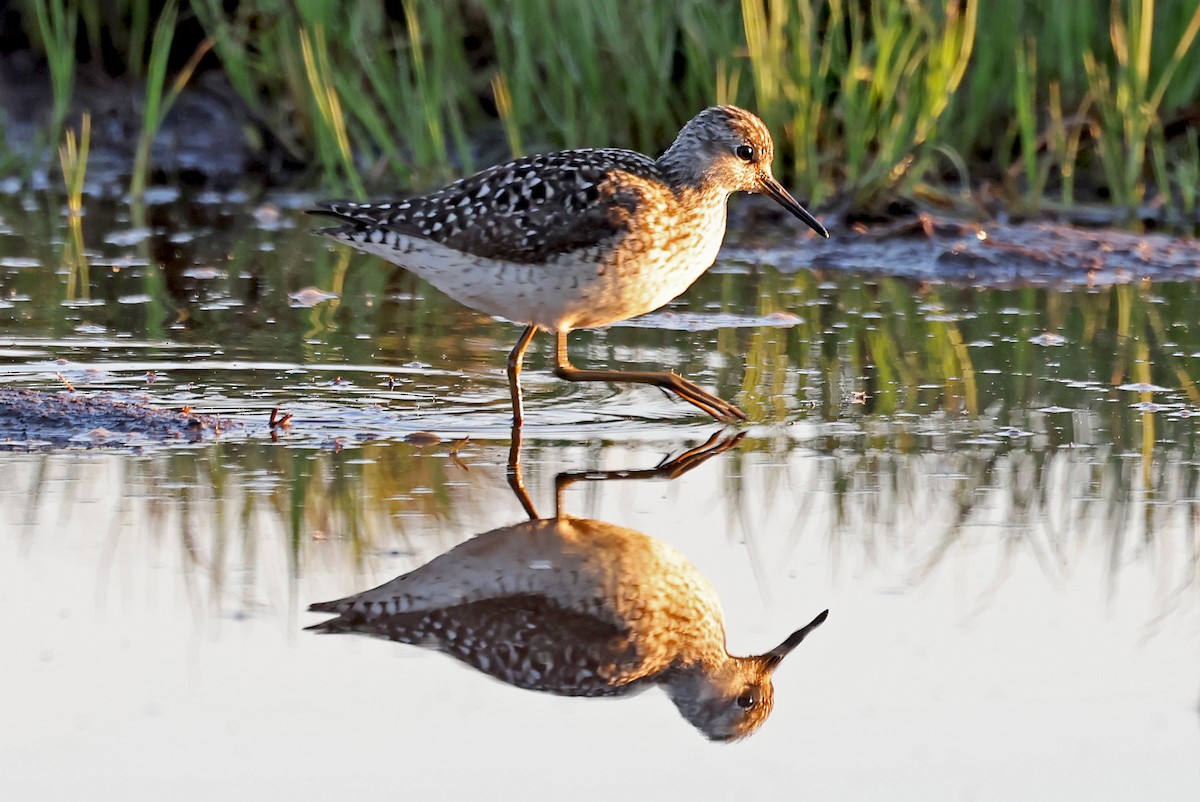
{"x":678,"y":165}
{"x":699,"y":657}
{"x":692,"y":686}
{"x":703,"y":216}
{"x":685,"y":170}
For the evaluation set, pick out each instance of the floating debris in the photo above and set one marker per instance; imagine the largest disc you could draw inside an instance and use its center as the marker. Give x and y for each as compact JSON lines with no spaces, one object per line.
{"x":310,"y":296}
{"x":1048,"y":339}
{"x":19,"y":262}
{"x":1143,"y":387}
{"x":128,"y":237}
{"x":454,"y":449}
{"x":1151,"y":407}
{"x":159,"y":195}
{"x":422,"y":439}
{"x":202,"y":272}
{"x":710,"y":321}
{"x":267,"y":216}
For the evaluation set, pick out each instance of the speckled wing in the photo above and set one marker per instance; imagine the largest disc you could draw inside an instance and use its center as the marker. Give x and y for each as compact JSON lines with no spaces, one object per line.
{"x":526,"y":211}
{"x":526,"y":640}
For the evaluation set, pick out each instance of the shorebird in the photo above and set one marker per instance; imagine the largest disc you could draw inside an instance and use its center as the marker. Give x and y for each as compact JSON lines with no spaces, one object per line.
{"x":579,"y":238}
{"x":577,"y":607}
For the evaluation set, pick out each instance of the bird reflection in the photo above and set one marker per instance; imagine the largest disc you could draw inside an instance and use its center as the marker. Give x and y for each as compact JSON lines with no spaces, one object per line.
{"x":579,"y":607}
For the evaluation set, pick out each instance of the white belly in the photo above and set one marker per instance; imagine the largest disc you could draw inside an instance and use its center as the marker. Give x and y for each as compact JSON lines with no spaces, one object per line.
{"x":580,"y":289}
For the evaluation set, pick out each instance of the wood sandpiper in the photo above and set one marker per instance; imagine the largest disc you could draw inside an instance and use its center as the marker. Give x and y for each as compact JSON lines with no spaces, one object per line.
{"x":576,"y":607}
{"x":579,"y":607}
{"x":579,"y":238}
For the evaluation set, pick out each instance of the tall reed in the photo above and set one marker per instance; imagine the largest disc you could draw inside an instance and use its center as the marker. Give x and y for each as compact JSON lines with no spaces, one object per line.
{"x":73,"y":159}
{"x":333,"y":142}
{"x":859,"y":87}
{"x":57,"y":24}
{"x":158,"y":100}
{"x":1129,"y":94}
{"x":865,"y":99}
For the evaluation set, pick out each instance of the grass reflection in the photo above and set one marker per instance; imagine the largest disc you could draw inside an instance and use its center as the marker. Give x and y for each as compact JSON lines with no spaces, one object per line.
{"x":249,"y":521}
{"x":862,"y":345}
{"x":895,"y":419}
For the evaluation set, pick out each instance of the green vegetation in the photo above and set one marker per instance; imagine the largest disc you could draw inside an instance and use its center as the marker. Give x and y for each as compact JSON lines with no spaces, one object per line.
{"x":1129,"y":95}
{"x":156,"y":104}
{"x":876,"y":82}
{"x":56,"y":26}
{"x":73,"y":159}
{"x":1043,"y":104}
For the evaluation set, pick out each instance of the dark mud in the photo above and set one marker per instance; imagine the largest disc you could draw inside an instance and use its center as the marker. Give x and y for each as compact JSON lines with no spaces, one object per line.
{"x":995,"y":254}
{"x":202,"y":140}
{"x":31,"y":420}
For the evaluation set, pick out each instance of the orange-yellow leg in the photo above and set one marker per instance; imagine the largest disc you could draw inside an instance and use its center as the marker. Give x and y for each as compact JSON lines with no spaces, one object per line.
{"x":514,"y":373}
{"x":673,"y":382}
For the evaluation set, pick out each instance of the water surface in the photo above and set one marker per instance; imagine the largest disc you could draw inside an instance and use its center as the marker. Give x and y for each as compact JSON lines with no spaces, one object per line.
{"x":993,"y":490}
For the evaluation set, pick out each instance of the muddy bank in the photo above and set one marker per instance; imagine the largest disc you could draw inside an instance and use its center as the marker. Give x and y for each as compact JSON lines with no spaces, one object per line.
{"x":31,"y":420}
{"x":987,"y":254}
{"x":207,"y":138}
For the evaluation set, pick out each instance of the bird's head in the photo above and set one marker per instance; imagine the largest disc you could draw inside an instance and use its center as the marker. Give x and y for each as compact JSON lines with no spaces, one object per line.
{"x":727,"y":149}
{"x":732,"y":700}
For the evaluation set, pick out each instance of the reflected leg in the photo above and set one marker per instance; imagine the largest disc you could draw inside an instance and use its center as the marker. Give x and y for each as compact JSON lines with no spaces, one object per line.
{"x":515,"y":480}
{"x":668,"y":469}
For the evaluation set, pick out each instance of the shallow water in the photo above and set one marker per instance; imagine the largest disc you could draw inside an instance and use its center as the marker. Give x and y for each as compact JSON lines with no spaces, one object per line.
{"x":994,"y":491}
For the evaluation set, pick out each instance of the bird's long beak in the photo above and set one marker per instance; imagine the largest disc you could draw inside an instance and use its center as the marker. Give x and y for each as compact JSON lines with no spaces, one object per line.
{"x":776,"y":655}
{"x":781,"y":196}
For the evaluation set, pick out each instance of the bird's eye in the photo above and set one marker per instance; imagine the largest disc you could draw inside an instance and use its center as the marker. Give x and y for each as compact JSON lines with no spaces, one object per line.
{"x":744,"y":152}
{"x":747,"y":700}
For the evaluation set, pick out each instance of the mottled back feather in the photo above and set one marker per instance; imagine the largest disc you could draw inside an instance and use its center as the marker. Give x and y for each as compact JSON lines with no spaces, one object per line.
{"x":525,"y":211}
{"x":525,"y":640}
